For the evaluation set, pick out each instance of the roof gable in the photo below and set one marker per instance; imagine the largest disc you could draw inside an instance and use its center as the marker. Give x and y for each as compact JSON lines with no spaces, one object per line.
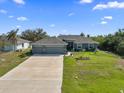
{"x":19,"y":40}
{"x":77,"y":39}
{"x":50,"y":41}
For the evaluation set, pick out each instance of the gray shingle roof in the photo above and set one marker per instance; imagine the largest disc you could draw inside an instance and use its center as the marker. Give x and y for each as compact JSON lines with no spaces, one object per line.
{"x":20,"y":41}
{"x":77,"y":39}
{"x":50,"y":41}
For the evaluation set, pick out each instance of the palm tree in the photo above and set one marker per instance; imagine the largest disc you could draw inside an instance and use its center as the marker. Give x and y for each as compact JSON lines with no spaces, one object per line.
{"x":12,"y":37}
{"x":3,"y":42}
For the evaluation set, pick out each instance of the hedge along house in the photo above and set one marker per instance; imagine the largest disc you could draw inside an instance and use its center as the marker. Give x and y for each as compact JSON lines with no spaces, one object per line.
{"x":77,"y":42}
{"x":49,"y":45}
{"x":20,"y":45}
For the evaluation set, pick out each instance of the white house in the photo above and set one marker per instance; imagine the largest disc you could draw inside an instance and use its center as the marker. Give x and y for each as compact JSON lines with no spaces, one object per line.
{"x":20,"y":45}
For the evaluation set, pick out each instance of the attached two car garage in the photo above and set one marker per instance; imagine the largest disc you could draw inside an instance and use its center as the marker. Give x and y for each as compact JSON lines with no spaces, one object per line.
{"x":51,"y":45}
{"x":48,"y":50}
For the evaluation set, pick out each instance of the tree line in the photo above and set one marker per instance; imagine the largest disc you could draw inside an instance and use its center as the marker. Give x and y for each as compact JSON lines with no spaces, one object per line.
{"x":29,"y":34}
{"x":112,"y":42}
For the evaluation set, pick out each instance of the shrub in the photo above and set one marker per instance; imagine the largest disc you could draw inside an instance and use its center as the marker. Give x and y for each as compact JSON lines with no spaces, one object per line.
{"x":25,"y":54}
{"x":120,"y":48}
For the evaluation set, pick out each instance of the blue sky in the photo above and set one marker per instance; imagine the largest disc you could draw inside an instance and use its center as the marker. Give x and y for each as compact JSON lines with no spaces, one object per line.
{"x":94,"y":17}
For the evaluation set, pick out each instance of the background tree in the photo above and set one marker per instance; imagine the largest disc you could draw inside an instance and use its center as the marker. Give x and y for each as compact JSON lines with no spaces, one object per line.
{"x":82,"y":34}
{"x":120,"y":48}
{"x":2,"y":41}
{"x":12,"y":37}
{"x":111,"y":42}
{"x":33,"y":35}
{"x":88,"y":35}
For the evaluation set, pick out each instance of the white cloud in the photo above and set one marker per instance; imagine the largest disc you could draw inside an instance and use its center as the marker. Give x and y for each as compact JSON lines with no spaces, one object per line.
{"x":18,"y":26}
{"x":3,"y":11}
{"x":85,"y":1}
{"x":71,"y":14}
{"x":22,"y":18}
{"x":114,"y":4}
{"x":11,"y":16}
{"x":20,"y":2}
{"x":52,"y":25}
{"x":107,"y":17}
{"x":104,"y":22}
{"x":64,"y":31}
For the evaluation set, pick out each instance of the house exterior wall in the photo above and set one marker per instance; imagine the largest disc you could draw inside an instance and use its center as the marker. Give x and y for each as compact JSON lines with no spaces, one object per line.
{"x":22,"y":46}
{"x":0,"y":48}
{"x":26,"y":45}
{"x":17,"y":47}
{"x":8,"y":48}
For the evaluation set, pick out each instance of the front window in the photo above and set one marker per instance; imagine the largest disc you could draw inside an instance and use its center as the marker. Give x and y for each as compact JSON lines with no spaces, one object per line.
{"x":79,"y":46}
{"x":91,"y":45}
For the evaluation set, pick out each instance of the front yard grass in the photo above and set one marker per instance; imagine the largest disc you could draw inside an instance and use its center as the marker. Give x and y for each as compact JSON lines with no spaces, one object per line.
{"x":9,"y":60}
{"x":101,"y":74}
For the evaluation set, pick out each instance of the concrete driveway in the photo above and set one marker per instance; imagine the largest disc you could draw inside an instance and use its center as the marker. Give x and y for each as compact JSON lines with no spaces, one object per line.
{"x":38,"y":74}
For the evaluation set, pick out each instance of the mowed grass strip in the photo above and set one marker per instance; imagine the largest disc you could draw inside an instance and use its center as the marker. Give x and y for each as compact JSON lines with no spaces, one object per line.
{"x":100,"y":74}
{"x":10,"y":60}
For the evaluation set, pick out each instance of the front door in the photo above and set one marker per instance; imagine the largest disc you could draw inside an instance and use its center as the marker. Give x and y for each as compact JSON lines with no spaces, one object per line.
{"x":70,"y":46}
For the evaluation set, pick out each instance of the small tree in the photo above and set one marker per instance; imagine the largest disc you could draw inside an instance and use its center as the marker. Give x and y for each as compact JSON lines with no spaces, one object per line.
{"x":88,"y":35}
{"x":82,"y":34}
{"x":120,"y":48}
{"x":12,"y":37}
{"x":3,"y":42}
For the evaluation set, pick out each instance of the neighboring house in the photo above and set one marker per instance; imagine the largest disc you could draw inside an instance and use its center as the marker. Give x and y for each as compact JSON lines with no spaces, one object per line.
{"x":20,"y":45}
{"x":77,"y":42}
{"x":49,"y":45}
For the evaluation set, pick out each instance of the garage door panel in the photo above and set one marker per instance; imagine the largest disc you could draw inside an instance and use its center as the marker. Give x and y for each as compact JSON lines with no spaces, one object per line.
{"x":36,"y":50}
{"x":48,"y":50}
{"x":55,"y":50}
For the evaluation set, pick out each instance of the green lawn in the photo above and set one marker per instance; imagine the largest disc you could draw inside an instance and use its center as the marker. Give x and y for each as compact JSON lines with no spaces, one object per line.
{"x":9,"y":60}
{"x":101,"y":74}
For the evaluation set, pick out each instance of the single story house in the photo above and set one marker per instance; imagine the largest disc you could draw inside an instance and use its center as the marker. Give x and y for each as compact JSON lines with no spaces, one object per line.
{"x":62,"y":44}
{"x":77,"y":42}
{"x":20,"y":45}
{"x":49,"y":45}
